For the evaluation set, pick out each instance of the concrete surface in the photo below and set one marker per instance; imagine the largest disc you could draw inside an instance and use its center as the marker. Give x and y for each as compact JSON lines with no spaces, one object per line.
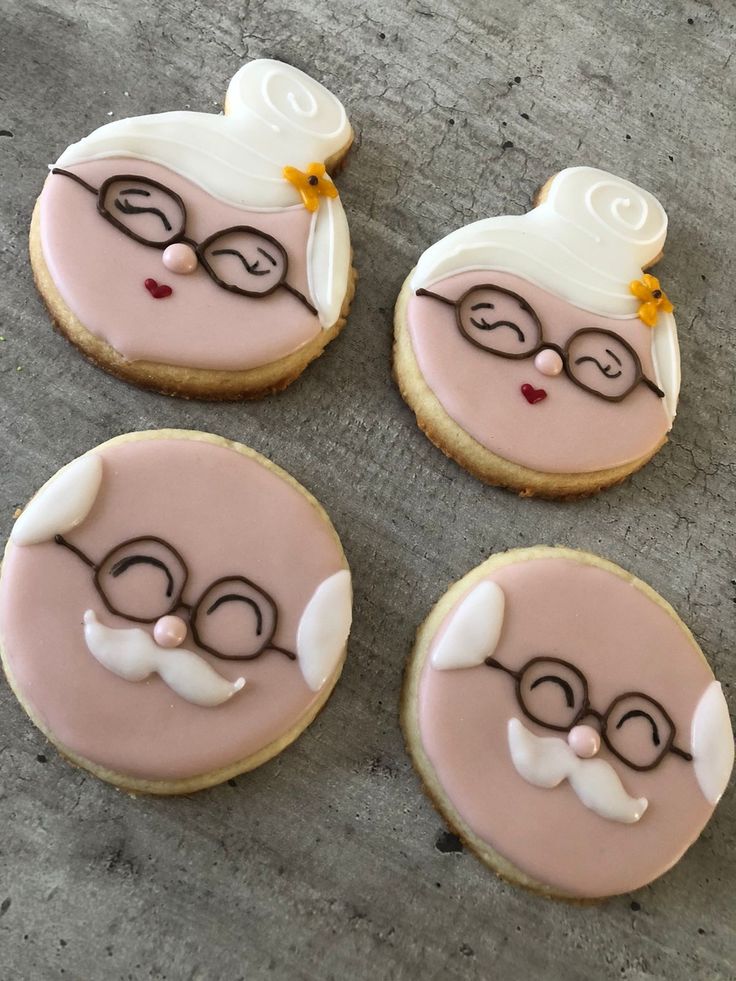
{"x":325,"y":863}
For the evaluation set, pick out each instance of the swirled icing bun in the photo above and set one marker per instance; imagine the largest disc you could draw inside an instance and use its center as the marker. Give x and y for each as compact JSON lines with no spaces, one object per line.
{"x":174,"y":610}
{"x":203,"y":255}
{"x":565,"y":723}
{"x":535,"y":350}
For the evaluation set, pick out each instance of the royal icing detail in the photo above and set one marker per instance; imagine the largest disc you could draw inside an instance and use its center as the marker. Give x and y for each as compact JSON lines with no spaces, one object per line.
{"x":534,"y":314}
{"x":545,"y":761}
{"x":712,"y":742}
{"x":587,"y":242}
{"x":61,"y":504}
{"x":185,"y":202}
{"x":321,"y":638}
{"x":652,"y":297}
{"x":133,"y":654}
{"x":324,"y":628}
{"x":153,"y":587}
{"x":472,"y":634}
{"x":276,"y":116}
{"x":311,"y":184}
{"x":591,"y":745}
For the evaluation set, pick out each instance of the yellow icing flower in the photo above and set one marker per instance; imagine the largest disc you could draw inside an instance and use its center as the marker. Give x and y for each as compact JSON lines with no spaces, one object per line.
{"x":653,"y":298}
{"x":311,"y":184}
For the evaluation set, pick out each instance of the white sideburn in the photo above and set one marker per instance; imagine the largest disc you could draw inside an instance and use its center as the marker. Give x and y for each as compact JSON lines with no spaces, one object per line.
{"x":711,"y":741}
{"x":134,"y":655}
{"x":61,"y":504}
{"x":474,"y":630}
{"x":324,"y":628}
{"x":545,"y":761}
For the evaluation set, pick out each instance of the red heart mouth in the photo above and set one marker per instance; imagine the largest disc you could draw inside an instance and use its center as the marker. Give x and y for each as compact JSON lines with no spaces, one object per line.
{"x":532,"y":394}
{"x":156,"y":291}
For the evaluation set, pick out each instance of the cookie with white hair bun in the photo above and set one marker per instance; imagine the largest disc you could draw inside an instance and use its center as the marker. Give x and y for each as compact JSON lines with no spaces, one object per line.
{"x":174,"y":610}
{"x":203,"y":255}
{"x":535,"y":350}
{"x":565,"y":723}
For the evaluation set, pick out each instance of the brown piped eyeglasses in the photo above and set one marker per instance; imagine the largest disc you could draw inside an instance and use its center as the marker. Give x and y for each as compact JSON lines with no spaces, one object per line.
{"x":554,"y":694}
{"x":500,"y":322}
{"x":241,"y":259}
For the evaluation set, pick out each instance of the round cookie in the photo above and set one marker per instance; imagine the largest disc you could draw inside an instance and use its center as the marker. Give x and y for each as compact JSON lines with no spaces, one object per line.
{"x":534,"y":350}
{"x":174,"y":610}
{"x":565,"y":723}
{"x":203,"y":255}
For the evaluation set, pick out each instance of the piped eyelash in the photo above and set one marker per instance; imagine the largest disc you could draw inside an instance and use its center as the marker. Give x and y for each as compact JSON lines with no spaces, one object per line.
{"x":122,"y":565}
{"x":251,"y":267}
{"x":236,"y":597}
{"x":130,"y":209}
{"x":483,"y":324}
{"x":640,"y":713}
{"x":604,"y":369}
{"x":564,"y":685}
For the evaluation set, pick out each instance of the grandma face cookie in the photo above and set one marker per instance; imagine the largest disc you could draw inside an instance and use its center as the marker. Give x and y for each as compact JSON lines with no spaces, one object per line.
{"x":203,"y":255}
{"x":534,"y":350}
{"x":174,"y":610}
{"x":565,"y":722}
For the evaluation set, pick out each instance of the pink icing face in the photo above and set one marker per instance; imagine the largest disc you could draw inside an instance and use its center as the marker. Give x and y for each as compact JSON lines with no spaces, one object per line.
{"x":243,"y":301}
{"x":199,"y":549}
{"x":494,"y":355}
{"x":616,"y":640}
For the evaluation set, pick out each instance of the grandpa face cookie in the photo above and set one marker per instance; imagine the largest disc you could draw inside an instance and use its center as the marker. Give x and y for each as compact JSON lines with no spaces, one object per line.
{"x":203,"y":255}
{"x":534,"y":350}
{"x":566,"y":723}
{"x":174,"y":610}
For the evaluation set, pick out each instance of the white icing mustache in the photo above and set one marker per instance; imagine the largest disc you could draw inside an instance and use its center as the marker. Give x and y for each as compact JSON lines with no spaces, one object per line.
{"x":132,"y":653}
{"x":545,"y":761}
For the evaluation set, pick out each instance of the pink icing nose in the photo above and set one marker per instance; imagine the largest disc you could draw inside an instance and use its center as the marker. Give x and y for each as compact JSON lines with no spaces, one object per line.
{"x":180,"y":258}
{"x":584,"y":741}
{"x":170,"y":631}
{"x":548,"y":362}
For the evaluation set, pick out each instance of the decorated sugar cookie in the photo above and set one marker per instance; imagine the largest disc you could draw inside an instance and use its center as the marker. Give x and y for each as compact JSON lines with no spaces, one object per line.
{"x":203,"y":255}
{"x":174,"y":610}
{"x":535,"y":350}
{"x":566,"y":723}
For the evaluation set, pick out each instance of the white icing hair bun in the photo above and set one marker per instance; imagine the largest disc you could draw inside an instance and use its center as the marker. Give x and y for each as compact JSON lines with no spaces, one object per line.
{"x":592,"y":234}
{"x":276,"y":116}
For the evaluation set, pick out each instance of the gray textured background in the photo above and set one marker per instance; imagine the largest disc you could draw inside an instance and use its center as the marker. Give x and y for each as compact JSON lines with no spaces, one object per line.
{"x":323,"y":863}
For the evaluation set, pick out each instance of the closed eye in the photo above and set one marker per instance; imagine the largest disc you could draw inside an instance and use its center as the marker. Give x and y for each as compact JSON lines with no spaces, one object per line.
{"x":483,"y":324}
{"x":605,"y":369}
{"x":639,"y":713}
{"x":564,"y":685}
{"x":251,"y":267}
{"x":124,"y":564}
{"x":236,"y":597}
{"x":130,"y":209}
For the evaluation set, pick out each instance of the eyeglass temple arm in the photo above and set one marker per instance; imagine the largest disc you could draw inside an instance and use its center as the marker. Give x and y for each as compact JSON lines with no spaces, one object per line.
{"x":655,"y":388}
{"x":493,"y":663}
{"x":74,"y":177}
{"x":435,"y":296}
{"x":282,"y":650}
{"x":681,"y":753}
{"x":77,"y":551}
{"x":300,"y":296}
